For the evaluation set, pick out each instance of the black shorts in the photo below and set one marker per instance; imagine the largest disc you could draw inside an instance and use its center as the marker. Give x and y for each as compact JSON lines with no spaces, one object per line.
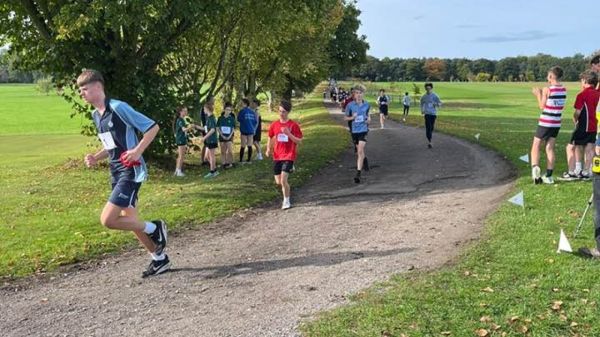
{"x":282,"y":166}
{"x":383,"y":109}
{"x":124,"y":193}
{"x":580,"y":137}
{"x":545,"y":133}
{"x":222,"y":140}
{"x":257,"y":136}
{"x":359,"y":137}
{"x":211,"y":145}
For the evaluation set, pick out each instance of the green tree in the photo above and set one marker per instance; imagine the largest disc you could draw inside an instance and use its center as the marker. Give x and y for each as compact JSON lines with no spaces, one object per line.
{"x":346,"y":49}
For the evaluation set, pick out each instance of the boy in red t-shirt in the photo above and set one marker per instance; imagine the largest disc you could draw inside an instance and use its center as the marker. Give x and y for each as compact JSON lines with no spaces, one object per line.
{"x":581,"y":146}
{"x":284,"y":135}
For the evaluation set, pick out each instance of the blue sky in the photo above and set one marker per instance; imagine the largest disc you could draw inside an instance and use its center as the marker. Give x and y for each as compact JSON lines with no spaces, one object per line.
{"x":479,"y":28}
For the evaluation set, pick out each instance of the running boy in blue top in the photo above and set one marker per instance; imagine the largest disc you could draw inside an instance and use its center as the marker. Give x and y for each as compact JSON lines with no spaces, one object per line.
{"x":358,"y":113}
{"x":117,"y":123}
{"x":248,"y":124}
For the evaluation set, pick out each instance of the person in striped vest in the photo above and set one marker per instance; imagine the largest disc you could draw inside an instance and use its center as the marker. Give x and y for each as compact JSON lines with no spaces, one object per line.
{"x":551,"y":100}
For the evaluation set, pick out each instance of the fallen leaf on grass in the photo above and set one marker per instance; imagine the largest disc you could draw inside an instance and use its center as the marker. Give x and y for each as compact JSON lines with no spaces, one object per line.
{"x":482,"y":332}
{"x":574,"y":324}
{"x":487,"y":290}
{"x":496,"y":327}
{"x":446,"y":333}
{"x":513,"y":319}
{"x":523,"y":329}
{"x":556,"y":305}
{"x":485,"y":319}
{"x":563,"y":317}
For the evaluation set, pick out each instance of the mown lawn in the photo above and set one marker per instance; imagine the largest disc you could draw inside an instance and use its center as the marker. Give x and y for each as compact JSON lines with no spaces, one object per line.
{"x":512,"y":282}
{"x":51,"y":203}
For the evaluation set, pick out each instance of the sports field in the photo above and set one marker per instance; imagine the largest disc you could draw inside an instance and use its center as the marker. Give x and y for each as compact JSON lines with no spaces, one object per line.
{"x":51,"y":203}
{"x":512,"y":282}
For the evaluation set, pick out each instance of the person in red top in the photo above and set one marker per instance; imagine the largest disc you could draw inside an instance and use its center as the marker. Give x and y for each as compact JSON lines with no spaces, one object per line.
{"x":584,"y":137}
{"x":284,"y":136}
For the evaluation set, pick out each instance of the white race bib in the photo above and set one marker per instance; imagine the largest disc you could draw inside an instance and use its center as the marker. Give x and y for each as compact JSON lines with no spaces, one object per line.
{"x":226,"y":130}
{"x":206,"y":129}
{"x":359,"y":118}
{"x":430,"y":105}
{"x":107,"y":140}
{"x":283,"y":138}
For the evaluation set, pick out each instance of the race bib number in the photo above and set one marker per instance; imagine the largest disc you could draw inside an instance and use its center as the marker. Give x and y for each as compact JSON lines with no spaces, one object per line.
{"x":430,"y":105}
{"x":107,"y":140}
{"x":359,"y":119}
{"x":283,"y":138}
{"x":205,"y":128}
{"x":226,"y":130}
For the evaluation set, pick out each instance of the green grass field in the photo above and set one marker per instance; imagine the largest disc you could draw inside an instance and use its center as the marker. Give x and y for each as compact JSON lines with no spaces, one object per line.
{"x":51,"y":203}
{"x":512,"y":282}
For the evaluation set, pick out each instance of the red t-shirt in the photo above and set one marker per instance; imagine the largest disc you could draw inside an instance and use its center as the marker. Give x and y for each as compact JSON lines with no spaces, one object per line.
{"x":285,"y":148}
{"x":346,"y":102}
{"x":587,"y":102}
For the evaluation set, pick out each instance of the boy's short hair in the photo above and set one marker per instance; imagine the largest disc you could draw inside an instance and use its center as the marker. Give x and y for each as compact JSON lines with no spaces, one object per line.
{"x":589,"y":77}
{"x":380,"y":90}
{"x":360,"y":88}
{"x":180,"y":108}
{"x":595,"y":59}
{"x":406,"y":93}
{"x":256,"y":101}
{"x":227,"y":105}
{"x":88,"y":76}
{"x":429,"y":84}
{"x":286,"y":105}
{"x":246,"y":101}
{"x":557,"y":71}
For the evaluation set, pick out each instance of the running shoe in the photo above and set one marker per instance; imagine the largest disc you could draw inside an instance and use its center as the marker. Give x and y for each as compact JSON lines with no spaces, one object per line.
{"x":567,"y":176}
{"x":286,"y":204}
{"x":157,"y":267}
{"x":547,"y":180}
{"x":590,"y":252}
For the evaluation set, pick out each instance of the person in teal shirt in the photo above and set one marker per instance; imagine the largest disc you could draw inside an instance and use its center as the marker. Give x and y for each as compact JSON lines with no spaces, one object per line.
{"x":211,"y":142}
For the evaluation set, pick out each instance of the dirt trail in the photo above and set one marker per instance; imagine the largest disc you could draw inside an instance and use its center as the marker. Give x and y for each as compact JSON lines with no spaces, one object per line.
{"x":260,"y":273}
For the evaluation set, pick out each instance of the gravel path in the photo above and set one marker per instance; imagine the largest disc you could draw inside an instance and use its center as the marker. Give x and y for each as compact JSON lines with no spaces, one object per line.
{"x":259,"y":273}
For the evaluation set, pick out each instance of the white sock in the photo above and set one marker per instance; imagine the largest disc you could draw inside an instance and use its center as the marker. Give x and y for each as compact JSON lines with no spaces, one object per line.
{"x":158,"y":257}
{"x":150,"y":227}
{"x":577,"y":167}
{"x":286,"y":199}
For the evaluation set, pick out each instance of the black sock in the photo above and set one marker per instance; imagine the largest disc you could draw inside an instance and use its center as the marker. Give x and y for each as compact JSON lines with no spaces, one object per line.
{"x":242,"y":149}
{"x":213,"y":171}
{"x":358,"y":173}
{"x":249,"y":152}
{"x":549,"y":173}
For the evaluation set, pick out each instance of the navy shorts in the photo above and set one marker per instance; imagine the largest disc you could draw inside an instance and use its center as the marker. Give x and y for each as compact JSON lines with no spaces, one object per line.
{"x":546,"y":133}
{"x":359,"y":137}
{"x":124,"y":193}
{"x":286,"y":166}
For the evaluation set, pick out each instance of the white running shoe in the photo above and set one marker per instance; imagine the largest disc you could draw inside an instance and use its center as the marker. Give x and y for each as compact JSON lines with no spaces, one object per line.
{"x":259,"y":156}
{"x":547,"y":180}
{"x":179,"y":174}
{"x":536,"y":175}
{"x":286,"y":204}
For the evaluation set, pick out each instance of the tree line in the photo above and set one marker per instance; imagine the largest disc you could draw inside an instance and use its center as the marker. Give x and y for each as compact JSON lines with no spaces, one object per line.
{"x":519,"y":68}
{"x":159,"y":54}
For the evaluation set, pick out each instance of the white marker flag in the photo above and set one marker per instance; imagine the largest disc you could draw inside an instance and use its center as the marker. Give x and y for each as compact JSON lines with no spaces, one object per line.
{"x":518,"y":200}
{"x":525,"y":158}
{"x":477,"y":136}
{"x":563,"y":243}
